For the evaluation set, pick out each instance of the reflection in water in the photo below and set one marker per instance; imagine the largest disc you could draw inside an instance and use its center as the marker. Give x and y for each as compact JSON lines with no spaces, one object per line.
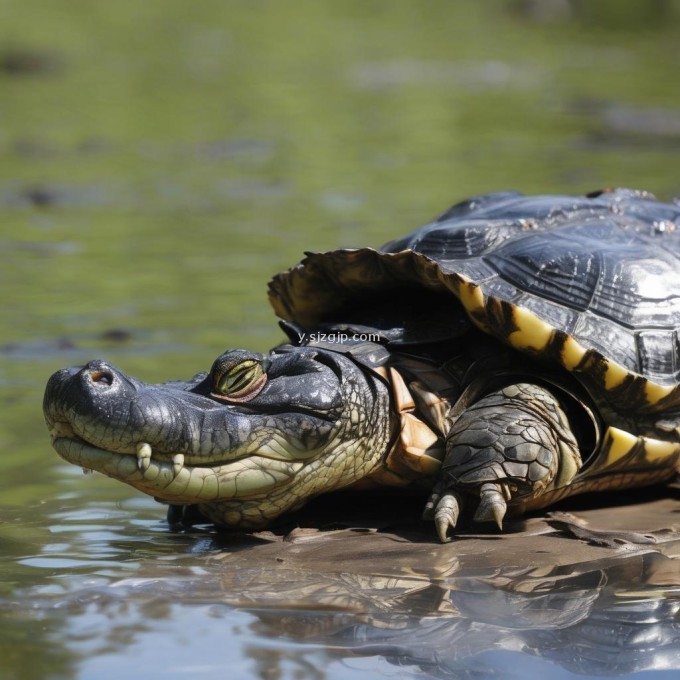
{"x":335,"y":604}
{"x":574,"y":620}
{"x":614,"y":615}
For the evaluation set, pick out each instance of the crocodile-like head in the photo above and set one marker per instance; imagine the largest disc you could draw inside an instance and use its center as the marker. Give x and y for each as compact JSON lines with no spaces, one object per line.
{"x":253,"y":438}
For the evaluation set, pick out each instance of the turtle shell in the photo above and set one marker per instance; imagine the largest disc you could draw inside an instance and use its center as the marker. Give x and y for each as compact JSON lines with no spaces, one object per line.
{"x":591,"y":283}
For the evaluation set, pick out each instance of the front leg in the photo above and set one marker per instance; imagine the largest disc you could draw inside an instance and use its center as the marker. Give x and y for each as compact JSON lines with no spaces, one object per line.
{"x":512,"y":445}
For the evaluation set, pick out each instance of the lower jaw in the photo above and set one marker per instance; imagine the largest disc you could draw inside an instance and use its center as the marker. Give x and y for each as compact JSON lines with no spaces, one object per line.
{"x":159,"y":480}
{"x":156,"y":478}
{"x":173,"y":481}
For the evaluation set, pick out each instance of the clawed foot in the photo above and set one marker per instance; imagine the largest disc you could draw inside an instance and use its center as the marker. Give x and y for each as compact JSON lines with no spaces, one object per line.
{"x":445,"y":508}
{"x":510,"y":447}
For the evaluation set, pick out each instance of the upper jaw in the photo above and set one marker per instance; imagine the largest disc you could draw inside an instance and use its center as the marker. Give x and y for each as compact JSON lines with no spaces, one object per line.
{"x":103,"y":408}
{"x":99,"y":406}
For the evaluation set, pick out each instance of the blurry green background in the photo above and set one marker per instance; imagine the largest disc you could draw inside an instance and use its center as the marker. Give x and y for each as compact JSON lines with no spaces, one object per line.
{"x":159,"y":161}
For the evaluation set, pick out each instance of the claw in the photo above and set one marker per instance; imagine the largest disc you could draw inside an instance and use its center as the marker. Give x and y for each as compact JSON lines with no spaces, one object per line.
{"x":492,"y":506}
{"x":446,"y":515}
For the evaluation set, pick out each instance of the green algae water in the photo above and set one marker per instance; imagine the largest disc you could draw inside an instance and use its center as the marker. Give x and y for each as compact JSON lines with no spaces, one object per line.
{"x":159,"y":162}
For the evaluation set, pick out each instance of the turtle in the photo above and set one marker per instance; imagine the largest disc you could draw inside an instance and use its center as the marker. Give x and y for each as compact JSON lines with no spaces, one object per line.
{"x":514,"y":351}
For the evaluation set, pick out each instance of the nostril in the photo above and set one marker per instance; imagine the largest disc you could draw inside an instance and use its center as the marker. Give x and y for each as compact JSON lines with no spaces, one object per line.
{"x":101,"y":377}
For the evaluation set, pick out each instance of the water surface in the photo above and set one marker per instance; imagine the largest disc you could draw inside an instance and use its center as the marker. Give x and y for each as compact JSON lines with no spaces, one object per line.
{"x":158,"y":163}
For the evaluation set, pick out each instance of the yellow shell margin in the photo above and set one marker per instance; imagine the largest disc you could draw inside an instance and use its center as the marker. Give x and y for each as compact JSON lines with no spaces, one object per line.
{"x":322,"y":282}
{"x":622,"y":451}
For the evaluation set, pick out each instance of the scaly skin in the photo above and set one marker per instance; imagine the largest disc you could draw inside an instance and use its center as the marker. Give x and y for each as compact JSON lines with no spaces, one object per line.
{"x":320,"y":423}
{"x":513,"y":444}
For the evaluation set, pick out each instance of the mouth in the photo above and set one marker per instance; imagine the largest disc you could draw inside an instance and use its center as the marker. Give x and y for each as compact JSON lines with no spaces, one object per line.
{"x":171,"y":477}
{"x":63,"y":435}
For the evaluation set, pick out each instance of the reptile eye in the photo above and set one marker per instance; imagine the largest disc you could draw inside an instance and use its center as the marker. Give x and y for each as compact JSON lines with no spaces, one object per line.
{"x":237,"y":379}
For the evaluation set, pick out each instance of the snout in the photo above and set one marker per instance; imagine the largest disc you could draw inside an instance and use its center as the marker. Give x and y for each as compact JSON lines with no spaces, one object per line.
{"x":84,"y":390}
{"x":92,"y":402}
{"x":106,"y":408}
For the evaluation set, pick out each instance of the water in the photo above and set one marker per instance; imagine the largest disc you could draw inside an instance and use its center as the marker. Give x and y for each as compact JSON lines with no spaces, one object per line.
{"x":158,"y":163}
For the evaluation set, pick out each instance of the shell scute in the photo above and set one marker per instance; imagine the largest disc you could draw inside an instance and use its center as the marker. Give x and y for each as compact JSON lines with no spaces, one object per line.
{"x":591,"y":283}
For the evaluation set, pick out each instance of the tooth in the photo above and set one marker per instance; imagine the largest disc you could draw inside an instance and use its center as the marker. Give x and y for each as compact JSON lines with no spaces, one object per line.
{"x":143,"y":456}
{"x":177,"y":463}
